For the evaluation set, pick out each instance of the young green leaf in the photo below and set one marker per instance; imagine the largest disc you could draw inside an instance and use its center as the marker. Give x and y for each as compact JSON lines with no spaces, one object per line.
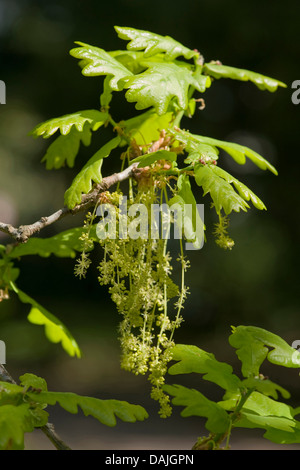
{"x":64,"y":244}
{"x":201,"y":152}
{"x":236,"y":151}
{"x":260,"y":411}
{"x":193,"y":359}
{"x":222,"y":193}
{"x":131,"y":60}
{"x":15,"y":421}
{"x":154,"y":43}
{"x":8,"y":273}
{"x":74,"y":128}
{"x":11,"y":394}
{"x":265,"y":386}
{"x":261,"y":81}
{"x":91,"y":172}
{"x":196,"y":404}
{"x":96,"y":61}
{"x":252,"y":420}
{"x":150,"y":158}
{"x":106,"y":95}
{"x":65,"y":148}
{"x":33,"y":381}
{"x":104,"y":411}
{"x":279,"y":436}
{"x":54,"y":329}
{"x":192,"y":225}
{"x":145,"y":128}
{"x":244,"y":192}
{"x":262,"y":405}
{"x":161,"y":83}
{"x":92,"y":117}
{"x":252,"y":345}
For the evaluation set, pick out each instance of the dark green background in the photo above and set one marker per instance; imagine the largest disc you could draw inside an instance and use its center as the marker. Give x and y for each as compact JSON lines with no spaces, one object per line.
{"x":254,"y":284}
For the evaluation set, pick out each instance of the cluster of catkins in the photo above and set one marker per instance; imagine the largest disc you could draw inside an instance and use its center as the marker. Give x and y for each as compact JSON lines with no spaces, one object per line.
{"x":138,"y":272}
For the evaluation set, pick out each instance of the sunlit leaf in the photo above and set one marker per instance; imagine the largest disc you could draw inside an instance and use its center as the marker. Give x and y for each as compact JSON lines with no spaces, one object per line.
{"x":96,"y":61}
{"x":265,"y":386}
{"x":146,"y":127}
{"x":15,"y":421}
{"x":236,"y":151}
{"x":252,"y":345}
{"x":130,"y":59}
{"x":64,"y":244}
{"x":222,"y":193}
{"x":55,"y":331}
{"x":106,"y":96}
{"x":193,"y":359}
{"x":154,"y":43}
{"x":91,"y":172}
{"x":33,"y":381}
{"x":65,"y":123}
{"x":64,"y":148}
{"x":105,"y":411}
{"x":150,"y":158}
{"x":196,"y":404}
{"x":244,"y":192}
{"x":74,"y":128}
{"x":192,"y":225}
{"x":161,"y":83}
{"x":261,"y":81}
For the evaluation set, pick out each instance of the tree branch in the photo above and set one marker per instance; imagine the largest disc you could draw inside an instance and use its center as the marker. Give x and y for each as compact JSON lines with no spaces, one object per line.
{"x":23,"y":232}
{"x":47,"y":429}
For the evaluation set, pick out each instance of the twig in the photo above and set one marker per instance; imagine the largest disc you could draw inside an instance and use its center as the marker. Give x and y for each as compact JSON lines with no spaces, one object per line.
{"x":23,"y":232}
{"x":47,"y":429}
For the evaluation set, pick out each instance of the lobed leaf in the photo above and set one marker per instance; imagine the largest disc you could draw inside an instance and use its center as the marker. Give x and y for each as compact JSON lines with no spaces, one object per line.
{"x":65,"y":148}
{"x":196,"y":404}
{"x":105,"y":411}
{"x":261,"y":81}
{"x":33,"y":381}
{"x":145,"y":128}
{"x":66,"y":123}
{"x":192,"y":225}
{"x":96,"y":61}
{"x":161,"y":83}
{"x":193,"y":359}
{"x":15,"y":421}
{"x":265,"y":386}
{"x":62,"y":245}
{"x":222,"y":193}
{"x":154,"y":43}
{"x":265,"y":406}
{"x":11,"y":394}
{"x":279,"y":436}
{"x":106,"y":95}
{"x":202,"y":152}
{"x":150,"y":158}
{"x":252,"y":345}
{"x":8,"y":273}
{"x":91,"y":172}
{"x":236,"y":151}
{"x":131,"y":60}
{"x":54,"y":329}
{"x":260,"y":411}
{"x":243,"y":190}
